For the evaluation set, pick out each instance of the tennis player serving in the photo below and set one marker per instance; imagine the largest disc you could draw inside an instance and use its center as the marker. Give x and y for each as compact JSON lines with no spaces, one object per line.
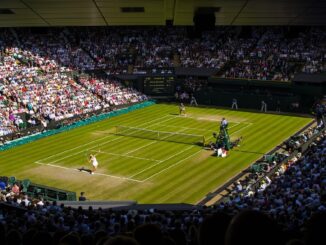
{"x":93,"y":161}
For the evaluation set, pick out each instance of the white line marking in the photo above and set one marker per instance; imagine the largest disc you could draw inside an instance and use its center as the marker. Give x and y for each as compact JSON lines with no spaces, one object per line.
{"x":76,"y":153}
{"x":124,"y":155}
{"x":168,"y":158}
{"x":175,"y":164}
{"x":141,"y":147}
{"x":249,"y":124}
{"x":97,"y":140}
{"x":118,"y":177}
{"x":241,"y":128}
{"x":170,"y":126}
{"x":145,"y":169}
{"x":202,"y":118}
{"x":236,"y":124}
{"x":60,"y":153}
{"x":151,"y":143}
{"x":107,"y":175}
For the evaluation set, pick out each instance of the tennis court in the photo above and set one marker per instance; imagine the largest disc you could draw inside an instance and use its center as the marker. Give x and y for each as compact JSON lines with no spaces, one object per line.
{"x":134,"y":154}
{"x":143,"y":165}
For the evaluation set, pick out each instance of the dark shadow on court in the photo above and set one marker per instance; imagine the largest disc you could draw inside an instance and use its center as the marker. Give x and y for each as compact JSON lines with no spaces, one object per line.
{"x":82,"y":169}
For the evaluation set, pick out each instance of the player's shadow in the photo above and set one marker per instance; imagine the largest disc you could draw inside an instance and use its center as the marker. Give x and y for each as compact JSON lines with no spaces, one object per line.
{"x":174,"y":114}
{"x":82,"y":169}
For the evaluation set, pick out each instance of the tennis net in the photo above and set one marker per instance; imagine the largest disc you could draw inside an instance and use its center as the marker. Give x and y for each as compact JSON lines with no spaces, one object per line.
{"x":160,"y":135}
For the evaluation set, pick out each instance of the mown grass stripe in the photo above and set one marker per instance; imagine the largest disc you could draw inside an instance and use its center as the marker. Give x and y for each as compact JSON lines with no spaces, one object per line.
{"x":188,"y":181}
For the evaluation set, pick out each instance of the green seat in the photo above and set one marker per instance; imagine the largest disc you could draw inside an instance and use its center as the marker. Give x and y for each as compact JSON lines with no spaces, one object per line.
{"x":22,"y":125}
{"x":256,"y":168}
{"x":25,"y":183}
{"x":269,"y":158}
{"x":12,"y":180}
{"x":37,"y":192}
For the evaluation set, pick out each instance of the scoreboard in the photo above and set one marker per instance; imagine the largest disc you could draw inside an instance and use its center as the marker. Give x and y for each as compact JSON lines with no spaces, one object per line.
{"x":159,"y":85}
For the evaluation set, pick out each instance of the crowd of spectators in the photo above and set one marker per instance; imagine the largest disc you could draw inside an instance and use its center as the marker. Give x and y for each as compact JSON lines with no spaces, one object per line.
{"x":37,"y":84}
{"x":265,"y":54}
{"x":112,"y":91}
{"x":291,"y":191}
{"x":275,"y":57}
{"x":55,"y":46}
{"x":185,"y":91}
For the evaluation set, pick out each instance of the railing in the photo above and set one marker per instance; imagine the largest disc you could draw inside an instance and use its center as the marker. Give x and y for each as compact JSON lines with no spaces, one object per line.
{"x":50,"y":193}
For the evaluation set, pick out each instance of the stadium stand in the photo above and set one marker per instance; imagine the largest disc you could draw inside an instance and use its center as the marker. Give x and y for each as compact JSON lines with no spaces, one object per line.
{"x":265,"y":55}
{"x":114,"y":48}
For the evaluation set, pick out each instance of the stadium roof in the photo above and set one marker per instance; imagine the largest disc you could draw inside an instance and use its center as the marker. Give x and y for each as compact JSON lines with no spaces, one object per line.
{"x":156,"y":12}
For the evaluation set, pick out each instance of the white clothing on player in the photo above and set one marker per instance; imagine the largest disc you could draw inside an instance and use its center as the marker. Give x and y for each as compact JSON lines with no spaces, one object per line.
{"x":224,"y":123}
{"x":94,"y":161}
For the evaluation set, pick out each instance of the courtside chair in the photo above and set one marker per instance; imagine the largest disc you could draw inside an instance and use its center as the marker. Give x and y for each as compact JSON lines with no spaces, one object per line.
{"x":269,"y":158}
{"x":25,"y":183}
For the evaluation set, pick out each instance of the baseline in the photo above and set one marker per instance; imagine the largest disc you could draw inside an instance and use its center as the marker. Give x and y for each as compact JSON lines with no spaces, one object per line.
{"x":89,"y":143}
{"x":100,"y":174}
{"x":127,"y":156}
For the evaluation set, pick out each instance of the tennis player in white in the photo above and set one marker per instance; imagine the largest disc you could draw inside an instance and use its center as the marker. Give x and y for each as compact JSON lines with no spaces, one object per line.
{"x":94,"y":162}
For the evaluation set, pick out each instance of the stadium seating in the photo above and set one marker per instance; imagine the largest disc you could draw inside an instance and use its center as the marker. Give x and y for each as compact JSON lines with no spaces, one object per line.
{"x":11,"y":180}
{"x":25,"y":184}
{"x":43,"y":90}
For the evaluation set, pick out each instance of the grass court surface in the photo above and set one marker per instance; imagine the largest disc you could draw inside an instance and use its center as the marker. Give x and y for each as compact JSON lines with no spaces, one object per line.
{"x":146,"y":170}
